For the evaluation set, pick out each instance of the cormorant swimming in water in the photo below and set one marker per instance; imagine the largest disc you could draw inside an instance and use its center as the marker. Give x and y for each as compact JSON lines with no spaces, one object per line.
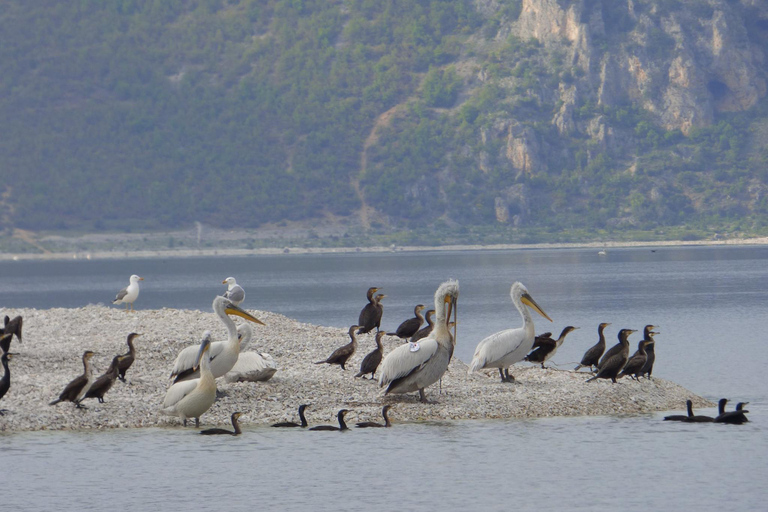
{"x":370,"y":315}
{"x":736,"y":417}
{"x":5,"y":382}
{"x":544,"y":348}
{"x":372,"y":361}
{"x":342,"y":425}
{"x":294,"y":424}
{"x":387,"y":423}
{"x":610,"y":368}
{"x":341,"y":354}
{"x":682,"y":417}
{"x":75,"y":390}
{"x":409,"y":327}
{"x":593,"y":353}
{"x":223,"y":431}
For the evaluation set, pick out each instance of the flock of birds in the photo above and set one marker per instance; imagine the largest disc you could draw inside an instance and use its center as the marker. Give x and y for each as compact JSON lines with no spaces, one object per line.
{"x":410,"y":367}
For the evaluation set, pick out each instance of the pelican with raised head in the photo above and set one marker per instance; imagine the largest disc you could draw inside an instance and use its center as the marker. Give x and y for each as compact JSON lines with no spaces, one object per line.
{"x":129,"y":294}
{"x":235,"y":292}
{"x":223,"y":354}
{"x":415,"y":366}
{"x":505,"y":348}
{"x":191,"y":398}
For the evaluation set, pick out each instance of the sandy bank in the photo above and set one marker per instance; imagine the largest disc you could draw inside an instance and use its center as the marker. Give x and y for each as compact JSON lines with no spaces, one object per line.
{"x":55,"y":339}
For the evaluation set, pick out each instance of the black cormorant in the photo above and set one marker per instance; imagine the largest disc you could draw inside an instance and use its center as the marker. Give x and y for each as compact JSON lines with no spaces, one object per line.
{"x":370,"y":315}
{"x":75,"y":390}
{"x":736,"y":417}
{"x":387,"y":423}
{"x":127,"y":359}
{"x":5,"y":382}
{"x":544,"y":348}
{"x":592,"y":355}
{"x":104,"y":382}
{"x":341,"y":354}
{"x":409,"y":327}
{"x":342,"y":425}
{"x":372,"y":361}
{"x":425,"y":331}
{"x":292,"y":423}
{"x":223,"y":431}
{"x":10,"y":327}
{"x":610,"y":368}
{"x":637,"y":360}
{"x":682,"y":417}
{"x":650,"y":350}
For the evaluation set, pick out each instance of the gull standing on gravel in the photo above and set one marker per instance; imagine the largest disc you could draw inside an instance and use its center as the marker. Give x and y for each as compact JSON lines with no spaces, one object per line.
{"x":129,"y":294}
{"x":414,"y":366}
{"x":223,"y":354}
{"x":234,"y":292}
{"x":191,"y":398}
{"x":505,"y":348}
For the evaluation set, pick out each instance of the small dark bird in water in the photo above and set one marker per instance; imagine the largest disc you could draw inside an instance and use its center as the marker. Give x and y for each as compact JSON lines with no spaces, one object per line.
{"x":10,"y":327}
{"x":650,"y":350}
{"x":5,"y":382}
{"x":370,"y":315}
{"x":294,"y":424}
{"x":127,"y":359}
{"x":75,"y":390}
{"x":342,"y":424}
{"x":425,"y":331}
{"x":636,"y":362}
{"x":610,"y":368}
{"x":736,"y":417}
{"x":104,"y":382}
{"x":544,"y":347}
{"x":223,"y":431}
{"x":372,"y":361}
{"x":384,"y":413}
{"x":409,"y":327}
{"x":681,"y":417}
{"x":593,"y":353}
{"x":341,"y":354}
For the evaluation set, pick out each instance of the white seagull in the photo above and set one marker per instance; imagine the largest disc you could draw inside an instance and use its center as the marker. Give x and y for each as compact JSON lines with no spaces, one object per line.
{"x":505,"y":348}
{"x":129,"y":294}
{"x":414,"y":366}
{"x":234,"y":292}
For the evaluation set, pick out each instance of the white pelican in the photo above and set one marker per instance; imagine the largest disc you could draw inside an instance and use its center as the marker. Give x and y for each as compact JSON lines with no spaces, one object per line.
{"x":234,"y":292}
{"x":191,"y":398}
{"x":414,"y":366}
{"x":505,"y":348}
{"x":224,"y":354}
{"x":250,"y":366}
{"x":129,"y":294}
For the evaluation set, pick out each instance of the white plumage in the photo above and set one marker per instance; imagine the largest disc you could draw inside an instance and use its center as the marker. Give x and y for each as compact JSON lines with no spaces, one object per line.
{"x":192,"y":398}
{"x":234,"y":292}
{"x":505,"y":348}
{"x":250,"y":366}
{"x":224,"y":354}
{"x":414,"y":366}
{"x":129,"y":294}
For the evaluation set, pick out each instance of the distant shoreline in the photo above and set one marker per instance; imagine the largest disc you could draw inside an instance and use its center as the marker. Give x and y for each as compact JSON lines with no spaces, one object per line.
{"x":208,"y":252}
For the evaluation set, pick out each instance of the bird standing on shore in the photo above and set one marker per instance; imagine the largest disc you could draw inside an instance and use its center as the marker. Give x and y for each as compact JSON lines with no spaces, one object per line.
{"x":372,"y":361}
{"x":650,"y":350}
{"x":222,"y":431}
{"x":610,"y":367}
{"x":636,"y":361}
{"x":593,"y":353}
{"x":76,"y":389}
{"x":129,"y":294}
{"x":409,"y":327}
{"x":10,"y":327}
{"x":429,"y":316}
{"x":370,"y":315}
{"x":104,"y":382}
{"x":545,"y":348}
{"x":126,"y":361}
{"x":223,"y":354}
{"x":505,"y":348}
{"x":341,"y":354}
{"x":235,"y":292}
{"x":414,"y":366}
{"x":192,"y":398}
{"x":5,"y":382}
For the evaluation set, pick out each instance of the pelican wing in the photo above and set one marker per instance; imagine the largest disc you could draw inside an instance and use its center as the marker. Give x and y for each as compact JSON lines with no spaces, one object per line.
{"x":178,"y":391}
{"x":187,"y":358}
{"x":402,"y":361}
{"x":496,"y":346}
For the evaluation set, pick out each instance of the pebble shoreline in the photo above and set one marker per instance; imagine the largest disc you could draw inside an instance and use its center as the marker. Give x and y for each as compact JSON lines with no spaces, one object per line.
{"x":55,"y":339}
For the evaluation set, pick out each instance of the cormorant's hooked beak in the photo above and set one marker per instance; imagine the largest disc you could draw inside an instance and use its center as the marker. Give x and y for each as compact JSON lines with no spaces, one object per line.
{"x":528,"y":300}
{"x":231,"y":309}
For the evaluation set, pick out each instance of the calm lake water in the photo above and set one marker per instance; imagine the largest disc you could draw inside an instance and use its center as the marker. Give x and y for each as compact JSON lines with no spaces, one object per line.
{"x":709,"y":304}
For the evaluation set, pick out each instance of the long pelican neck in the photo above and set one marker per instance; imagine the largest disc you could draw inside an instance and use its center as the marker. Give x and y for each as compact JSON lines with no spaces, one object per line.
{"x":206,"y":376}
{"x":232,"y":337}
{"x":440,"y":328}
{"x":527,"y":319}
